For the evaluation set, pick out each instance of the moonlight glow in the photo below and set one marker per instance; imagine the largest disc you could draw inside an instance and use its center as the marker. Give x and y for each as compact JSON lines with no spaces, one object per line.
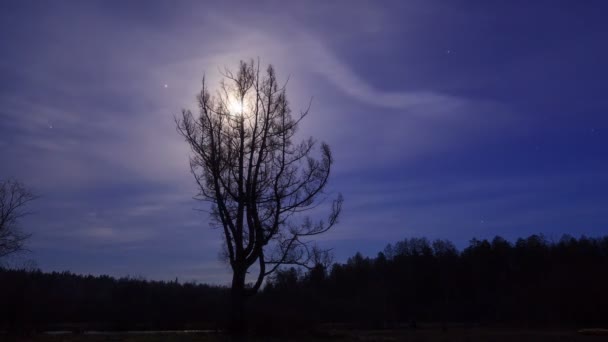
{"x":235,"y":107}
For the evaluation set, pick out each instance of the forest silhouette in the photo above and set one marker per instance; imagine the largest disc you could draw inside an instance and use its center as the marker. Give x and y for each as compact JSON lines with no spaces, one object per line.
{"x":531,"y":282}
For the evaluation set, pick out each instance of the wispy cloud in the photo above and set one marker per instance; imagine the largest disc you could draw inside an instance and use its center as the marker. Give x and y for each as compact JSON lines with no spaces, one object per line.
{"x":100,"y":116}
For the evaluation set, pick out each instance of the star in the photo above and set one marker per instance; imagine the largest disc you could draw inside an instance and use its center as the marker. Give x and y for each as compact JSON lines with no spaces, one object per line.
{"x":166,"y":85}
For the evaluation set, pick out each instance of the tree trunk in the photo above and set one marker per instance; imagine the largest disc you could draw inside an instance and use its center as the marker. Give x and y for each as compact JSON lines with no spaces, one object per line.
{"x":237,"y":324}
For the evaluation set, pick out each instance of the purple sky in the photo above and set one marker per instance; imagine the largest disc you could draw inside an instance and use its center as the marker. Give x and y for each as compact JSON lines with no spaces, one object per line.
{"x":447,"y":119}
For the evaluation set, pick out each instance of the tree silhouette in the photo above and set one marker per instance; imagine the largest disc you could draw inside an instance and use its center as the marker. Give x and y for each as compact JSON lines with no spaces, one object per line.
{"x":13,"y":198}
{"x":257,"y":179}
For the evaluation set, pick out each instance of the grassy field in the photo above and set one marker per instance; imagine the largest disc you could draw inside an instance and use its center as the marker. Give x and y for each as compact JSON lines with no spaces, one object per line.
{"x":453,"y":335}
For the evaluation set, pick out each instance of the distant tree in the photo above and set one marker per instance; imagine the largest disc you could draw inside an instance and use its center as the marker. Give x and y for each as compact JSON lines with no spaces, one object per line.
{"x":14,"y":196}
{"x":256,"y":178}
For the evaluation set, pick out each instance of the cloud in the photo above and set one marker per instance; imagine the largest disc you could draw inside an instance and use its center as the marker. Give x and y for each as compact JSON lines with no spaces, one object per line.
{"x":326,"y":64}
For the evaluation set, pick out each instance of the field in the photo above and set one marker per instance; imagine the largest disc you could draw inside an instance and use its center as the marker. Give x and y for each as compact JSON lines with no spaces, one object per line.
{"x":428,"y":335}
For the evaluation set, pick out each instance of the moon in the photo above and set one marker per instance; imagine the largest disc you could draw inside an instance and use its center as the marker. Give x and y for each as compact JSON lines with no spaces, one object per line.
{"x":235,"y":107}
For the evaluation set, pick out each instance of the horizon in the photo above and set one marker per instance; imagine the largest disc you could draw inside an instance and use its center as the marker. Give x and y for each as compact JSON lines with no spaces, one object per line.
{"x":29,"y":265}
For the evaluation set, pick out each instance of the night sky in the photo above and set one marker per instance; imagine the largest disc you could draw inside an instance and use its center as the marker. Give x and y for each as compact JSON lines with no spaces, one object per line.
{"x":447,"y":119}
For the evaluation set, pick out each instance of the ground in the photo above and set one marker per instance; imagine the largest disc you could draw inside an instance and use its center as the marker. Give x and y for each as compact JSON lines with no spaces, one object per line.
{"x":429,"y":335}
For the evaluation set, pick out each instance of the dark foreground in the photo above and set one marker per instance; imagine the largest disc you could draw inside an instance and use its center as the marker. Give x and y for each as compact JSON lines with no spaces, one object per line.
{"x":423,"y":335}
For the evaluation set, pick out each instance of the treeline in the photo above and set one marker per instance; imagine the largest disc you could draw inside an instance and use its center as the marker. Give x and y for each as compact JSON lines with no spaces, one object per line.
{"x":531,"y":282}
{"x":34,"y":301}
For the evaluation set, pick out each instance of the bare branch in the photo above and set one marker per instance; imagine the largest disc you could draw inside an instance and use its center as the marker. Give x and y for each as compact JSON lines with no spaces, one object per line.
{"x":14,"y":196}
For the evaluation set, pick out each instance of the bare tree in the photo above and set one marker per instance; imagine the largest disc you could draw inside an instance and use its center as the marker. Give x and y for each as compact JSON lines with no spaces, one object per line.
{"x":257,"y":179}
{"x":13,"y":198}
